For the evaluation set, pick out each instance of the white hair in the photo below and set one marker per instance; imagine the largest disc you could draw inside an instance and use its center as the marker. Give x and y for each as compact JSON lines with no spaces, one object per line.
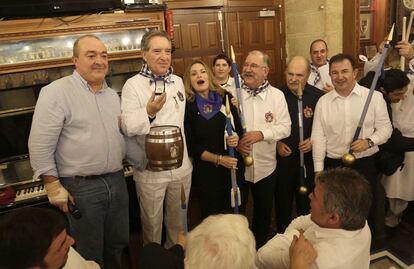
{"x":221,"y":242}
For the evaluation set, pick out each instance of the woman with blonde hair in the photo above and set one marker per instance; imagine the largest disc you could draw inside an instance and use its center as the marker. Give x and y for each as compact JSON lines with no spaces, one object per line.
{"x":207,"y":140}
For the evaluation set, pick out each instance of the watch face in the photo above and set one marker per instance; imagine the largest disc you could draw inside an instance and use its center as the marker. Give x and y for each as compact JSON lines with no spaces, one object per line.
{"x":408,"y":4}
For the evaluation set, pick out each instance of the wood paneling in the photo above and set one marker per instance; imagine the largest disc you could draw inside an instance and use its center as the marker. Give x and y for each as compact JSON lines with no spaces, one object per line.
{"x":178,"y":39}
{"x":200,"y":34}
{"x":176,"y":4}
{"x":242,"y":26}
{"x":193,"y":36}
{"x":350,"y":35}
{"x":269,"y":31}
{"x":257,"y":33}
{"x":212,"y":35}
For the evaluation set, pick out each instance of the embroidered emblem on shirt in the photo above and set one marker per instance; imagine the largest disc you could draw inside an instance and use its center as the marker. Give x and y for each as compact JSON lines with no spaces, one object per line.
{"x":308,"y":112}
{"x":208,"y":108}
{"x":180,"y":96}
{"x":269,"y":116}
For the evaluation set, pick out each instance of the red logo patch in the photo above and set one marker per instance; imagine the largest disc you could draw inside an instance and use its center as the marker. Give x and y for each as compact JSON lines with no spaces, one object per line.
{"x":308,"y":112}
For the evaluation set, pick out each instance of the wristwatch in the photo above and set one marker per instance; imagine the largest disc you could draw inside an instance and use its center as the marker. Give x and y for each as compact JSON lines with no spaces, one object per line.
{"x":370,"y":143}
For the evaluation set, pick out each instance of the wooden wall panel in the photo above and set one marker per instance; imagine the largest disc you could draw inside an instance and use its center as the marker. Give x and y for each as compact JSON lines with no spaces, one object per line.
{"x":243,"y":28}
{"x":200,"y":33}
{"x":209,"y":59}
{"x":260,"y":33}
{"x":194,"y":36}
{"x":212,"y":35}
{"x":178,"y":65}
{"x":178,"y":39}
{"x":236,"y":33}
{"x":269,"y":31}
{"x":254,"y":33}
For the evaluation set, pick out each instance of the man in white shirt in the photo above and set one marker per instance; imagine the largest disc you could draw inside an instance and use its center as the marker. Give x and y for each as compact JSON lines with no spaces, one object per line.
{"x":141,"y":110}
{"x":36,"y":238}
{"x":336,"y":226}
{"x":336,"y":118}
{"x":267,"y":121}
{"x":319,"y":75}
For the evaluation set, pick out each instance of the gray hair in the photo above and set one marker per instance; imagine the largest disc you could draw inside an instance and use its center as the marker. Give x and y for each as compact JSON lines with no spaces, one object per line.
{"x":266,"y":59}
{"x":221,"y":242}
{"x":301,"y":59}
{"x":348,"y":194}
{"x":146,"y":38}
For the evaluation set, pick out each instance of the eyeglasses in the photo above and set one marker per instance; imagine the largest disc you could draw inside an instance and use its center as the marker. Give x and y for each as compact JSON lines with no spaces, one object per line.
{"x":252,"y":66}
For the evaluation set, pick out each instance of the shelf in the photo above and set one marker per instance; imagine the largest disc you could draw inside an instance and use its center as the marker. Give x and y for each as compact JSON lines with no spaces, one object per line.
{"x":50,"y":41}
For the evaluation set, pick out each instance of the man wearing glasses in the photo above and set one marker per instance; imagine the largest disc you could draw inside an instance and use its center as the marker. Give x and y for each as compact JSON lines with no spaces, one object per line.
{"x":267,"y":121}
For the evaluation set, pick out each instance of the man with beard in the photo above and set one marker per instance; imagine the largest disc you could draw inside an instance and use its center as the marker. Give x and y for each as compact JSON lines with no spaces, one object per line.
{"x":267,"y":121}
{"x":36,"y":238}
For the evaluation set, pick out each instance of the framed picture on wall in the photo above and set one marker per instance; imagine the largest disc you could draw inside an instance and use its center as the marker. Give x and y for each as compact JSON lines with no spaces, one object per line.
{"x":365,"y":26}
{"x":365,"y":5}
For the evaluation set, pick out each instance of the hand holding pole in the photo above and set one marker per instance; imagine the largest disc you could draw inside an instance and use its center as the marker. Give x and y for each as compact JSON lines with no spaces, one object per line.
{"x":235,"y":196}
{"x":248,"y":160}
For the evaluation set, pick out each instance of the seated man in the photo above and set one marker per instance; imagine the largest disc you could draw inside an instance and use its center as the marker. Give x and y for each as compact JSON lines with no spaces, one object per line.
{"x":36,"y":238}
{"x":220,"y":242}
{"x":336,"y":227}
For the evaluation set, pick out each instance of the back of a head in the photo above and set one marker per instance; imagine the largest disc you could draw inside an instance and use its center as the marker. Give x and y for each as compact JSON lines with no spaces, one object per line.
{"x":392,"y":80}
{"x":222,"y":56}
{"x":221,"y":242}
{"x":26,"y":235}
{"x":348,"y":194}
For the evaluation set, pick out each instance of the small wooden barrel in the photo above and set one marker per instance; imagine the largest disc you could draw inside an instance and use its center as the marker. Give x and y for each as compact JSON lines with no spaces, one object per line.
{"x":164,"y":147}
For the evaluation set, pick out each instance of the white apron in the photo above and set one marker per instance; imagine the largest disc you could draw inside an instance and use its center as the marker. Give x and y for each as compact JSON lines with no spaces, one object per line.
{"x":401,"y":183}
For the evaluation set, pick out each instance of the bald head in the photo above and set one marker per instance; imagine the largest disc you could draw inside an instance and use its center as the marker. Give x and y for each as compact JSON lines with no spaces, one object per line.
{"x":300,"y":61}
{"x":297,"y":72}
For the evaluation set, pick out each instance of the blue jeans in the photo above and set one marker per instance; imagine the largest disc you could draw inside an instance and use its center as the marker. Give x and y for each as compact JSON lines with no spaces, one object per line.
{"x":102,"y":232}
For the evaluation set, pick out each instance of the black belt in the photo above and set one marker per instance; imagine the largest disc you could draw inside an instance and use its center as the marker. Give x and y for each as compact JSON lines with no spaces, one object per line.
{"x":97,"y":176}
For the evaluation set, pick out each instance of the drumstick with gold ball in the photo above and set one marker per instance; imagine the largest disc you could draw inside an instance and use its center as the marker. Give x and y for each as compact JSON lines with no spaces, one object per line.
{"x":349,"y":158}
{"x":302,"y":185}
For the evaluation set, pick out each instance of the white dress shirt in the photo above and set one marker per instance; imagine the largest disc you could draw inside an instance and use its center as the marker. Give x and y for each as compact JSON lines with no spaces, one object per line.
{"x":266,"y":112}
{"x":230,"y":86}
{"x":76,"y":261}
{"x":400,"y":185}
{"x":324,"y":77}
{"x":135,"y":95}
{"x":336,"y":119}
{"x":336,"y":248}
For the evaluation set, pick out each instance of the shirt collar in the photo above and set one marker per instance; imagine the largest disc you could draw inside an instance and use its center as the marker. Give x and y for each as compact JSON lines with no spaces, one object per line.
{"x":228,"y":83}
{"x":260,"y":91}
{"x":355,"y":91}
{"x":86,"y":85}
{"x":146,"y":72}
{"x":322,"y":233}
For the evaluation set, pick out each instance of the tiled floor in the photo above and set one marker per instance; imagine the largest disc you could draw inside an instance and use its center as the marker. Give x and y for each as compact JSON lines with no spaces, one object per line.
{"x":400,"y":243}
